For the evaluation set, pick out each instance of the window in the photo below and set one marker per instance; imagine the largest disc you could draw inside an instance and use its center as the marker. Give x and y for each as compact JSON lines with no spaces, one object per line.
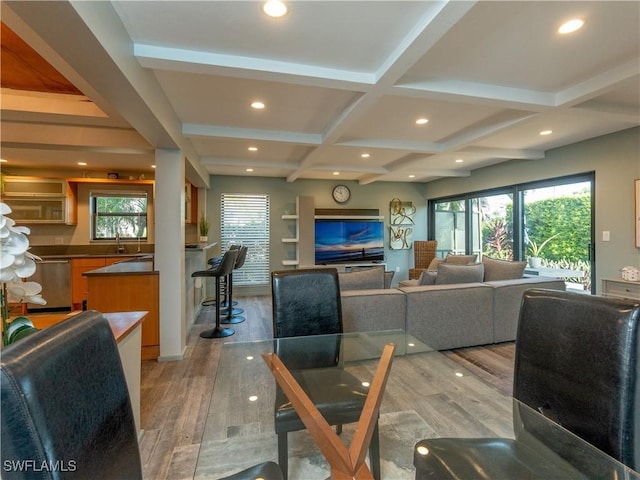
{"x":245,"y":221}
{"x":118,"y":212}
{"x":549,"y":223}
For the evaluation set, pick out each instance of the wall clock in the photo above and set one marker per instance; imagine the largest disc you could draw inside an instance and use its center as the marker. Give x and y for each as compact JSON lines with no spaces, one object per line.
{"x":341,"y":193}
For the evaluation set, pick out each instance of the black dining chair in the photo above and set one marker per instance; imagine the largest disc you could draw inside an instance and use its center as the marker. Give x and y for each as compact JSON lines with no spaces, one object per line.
{"x":306,"y":302}
{"x":577,"y":362}
{"x":66,"y":411}
{"x":262,"y":471}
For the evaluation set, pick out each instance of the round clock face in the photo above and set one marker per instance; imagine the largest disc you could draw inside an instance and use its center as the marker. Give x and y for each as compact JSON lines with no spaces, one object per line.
{"x":341,"y":193}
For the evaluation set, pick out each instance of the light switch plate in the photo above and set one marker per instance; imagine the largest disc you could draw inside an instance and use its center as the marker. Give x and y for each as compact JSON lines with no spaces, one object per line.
{"x":606,"y":236}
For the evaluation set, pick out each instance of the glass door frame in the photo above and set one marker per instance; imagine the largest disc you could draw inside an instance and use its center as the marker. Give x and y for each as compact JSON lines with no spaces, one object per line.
{"x":517,"y":192}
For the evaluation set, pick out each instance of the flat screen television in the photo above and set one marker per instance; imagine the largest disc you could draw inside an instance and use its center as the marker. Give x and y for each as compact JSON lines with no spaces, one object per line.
{"x":349,"y":241}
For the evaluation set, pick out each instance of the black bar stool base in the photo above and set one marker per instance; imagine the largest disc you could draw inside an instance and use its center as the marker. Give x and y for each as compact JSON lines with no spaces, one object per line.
{"x":235,"y":311}
{"x":208,"y":302}
{"x":217,"y":332}
{"x":234,"y":319}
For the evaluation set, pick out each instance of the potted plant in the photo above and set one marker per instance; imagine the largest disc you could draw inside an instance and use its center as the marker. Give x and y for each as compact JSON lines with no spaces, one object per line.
{"x":17,"y":264}
{"x":203,"y":225}
{"x":535,"y":250}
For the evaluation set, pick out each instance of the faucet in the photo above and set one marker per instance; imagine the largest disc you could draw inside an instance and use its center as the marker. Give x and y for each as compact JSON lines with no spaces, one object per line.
{"x":119,"y":248}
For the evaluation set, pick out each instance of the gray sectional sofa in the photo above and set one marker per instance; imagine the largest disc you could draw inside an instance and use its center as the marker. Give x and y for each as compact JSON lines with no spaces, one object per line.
{"x":443,"y":316}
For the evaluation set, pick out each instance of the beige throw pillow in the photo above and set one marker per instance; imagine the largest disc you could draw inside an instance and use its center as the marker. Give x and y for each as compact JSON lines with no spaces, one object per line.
{"x":451,"y":273}
{"x":428,"y":277}
{"x":495,"y":269}
{"x":366,"y":279}
{"x":434,"y":263}
{"x":460,"y":259}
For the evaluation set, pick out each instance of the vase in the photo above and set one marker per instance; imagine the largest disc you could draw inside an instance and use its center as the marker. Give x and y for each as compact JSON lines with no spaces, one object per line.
{"x":535,"y":262}
{"x":204,"y":239}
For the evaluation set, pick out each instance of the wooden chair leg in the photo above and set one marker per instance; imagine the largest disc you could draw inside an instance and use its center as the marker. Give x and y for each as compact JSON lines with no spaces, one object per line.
{"x":345,"y":463}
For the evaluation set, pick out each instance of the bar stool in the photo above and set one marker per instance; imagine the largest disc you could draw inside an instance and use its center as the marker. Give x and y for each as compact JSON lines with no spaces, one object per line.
{"x":222,"y":269}
{"x":214,"y":262}
{"x":233,"y":314}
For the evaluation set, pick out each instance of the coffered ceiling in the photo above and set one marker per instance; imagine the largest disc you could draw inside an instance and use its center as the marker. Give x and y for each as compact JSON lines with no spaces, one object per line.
{"x":339,"y":79}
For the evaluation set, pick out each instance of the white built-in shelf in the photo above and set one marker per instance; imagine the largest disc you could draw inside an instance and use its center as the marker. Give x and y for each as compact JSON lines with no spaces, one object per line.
{"x":290,"y":217}
{"x":350,"y":217}
{"x":289,"y":240}
{"x":290,"y":262}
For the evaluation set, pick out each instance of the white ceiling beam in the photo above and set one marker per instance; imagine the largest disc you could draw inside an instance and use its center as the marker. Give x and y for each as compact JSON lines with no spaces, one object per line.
{"x":598,"y":84}
{"x":237,"y":162}
{"x":208,"y":63}
{"x":421,"y":147}
{"x":479,"y":94}
{"x":510,"y":153}
{"x":217,"y":131}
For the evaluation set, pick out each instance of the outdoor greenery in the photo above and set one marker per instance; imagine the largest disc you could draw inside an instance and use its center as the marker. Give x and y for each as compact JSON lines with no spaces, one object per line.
{"x":567,"y":217}
{"x":122,"y":215}
{"x":559,"y":226}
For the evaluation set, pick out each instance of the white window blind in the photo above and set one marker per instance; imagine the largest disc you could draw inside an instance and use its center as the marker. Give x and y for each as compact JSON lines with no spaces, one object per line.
{"x":245,"y":221}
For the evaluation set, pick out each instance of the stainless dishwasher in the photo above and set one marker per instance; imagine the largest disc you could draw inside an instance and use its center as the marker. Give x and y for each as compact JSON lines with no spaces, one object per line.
{"x":55,"y":278}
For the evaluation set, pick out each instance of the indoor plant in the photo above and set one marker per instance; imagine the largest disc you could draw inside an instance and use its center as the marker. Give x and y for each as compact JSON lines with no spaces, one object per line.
{"x":535,"y":250}
{"x":16,"y":264}
{"x":203,"y":225}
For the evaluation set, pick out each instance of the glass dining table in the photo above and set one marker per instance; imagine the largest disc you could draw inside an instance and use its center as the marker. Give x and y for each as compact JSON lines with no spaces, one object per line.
{"x":427,"y":395}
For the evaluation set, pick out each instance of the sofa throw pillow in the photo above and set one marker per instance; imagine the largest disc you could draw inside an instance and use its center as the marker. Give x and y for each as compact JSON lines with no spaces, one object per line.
{"x":434,"y":264}
{"x":428,"y":277}
{"x":365,"y":279}
{"x":460,"y":259}
{"x":451,"y":273}
{"x":388,"y":278}
{"x":495,"y":269}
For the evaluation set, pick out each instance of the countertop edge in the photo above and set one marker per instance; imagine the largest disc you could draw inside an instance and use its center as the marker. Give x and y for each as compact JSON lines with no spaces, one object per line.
{"x":123,"y":323}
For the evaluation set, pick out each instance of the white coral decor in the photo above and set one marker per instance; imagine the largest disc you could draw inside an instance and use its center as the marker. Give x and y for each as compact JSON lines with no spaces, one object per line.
{"x":16,"y":263}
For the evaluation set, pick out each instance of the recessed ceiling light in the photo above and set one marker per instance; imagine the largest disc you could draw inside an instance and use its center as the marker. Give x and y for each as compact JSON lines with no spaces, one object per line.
{"x":249,"y":169}
{"x":2,"y":160}
{"x":459,"y":160}
{"x":153,"y":166}
{"x":257,"y":105}
{"x":365,"y":155}
{"x":546,"y":132}
{"x":82,"y":163}
{"x":275,"y":8}
{"x":412,"y":176}
{"x":421,"y":121}
{"x":571,"y":26}
{"x":253,"y":149}
{"x":336,"y":173}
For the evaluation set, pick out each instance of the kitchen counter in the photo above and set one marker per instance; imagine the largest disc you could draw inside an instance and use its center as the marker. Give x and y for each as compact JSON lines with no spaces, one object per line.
{"x":130,"y":267}
{"x":199,"y":247}
{"x":129,"y":286}
{"x":90,"y":255}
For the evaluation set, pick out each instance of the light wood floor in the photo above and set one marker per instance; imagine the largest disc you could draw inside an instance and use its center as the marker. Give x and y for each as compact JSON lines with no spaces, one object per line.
{"x":175,"y":396}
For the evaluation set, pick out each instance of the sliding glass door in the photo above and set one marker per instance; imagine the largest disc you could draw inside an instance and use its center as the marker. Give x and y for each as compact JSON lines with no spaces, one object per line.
{"x":557,"y":231}
{"x":548,"y":223}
